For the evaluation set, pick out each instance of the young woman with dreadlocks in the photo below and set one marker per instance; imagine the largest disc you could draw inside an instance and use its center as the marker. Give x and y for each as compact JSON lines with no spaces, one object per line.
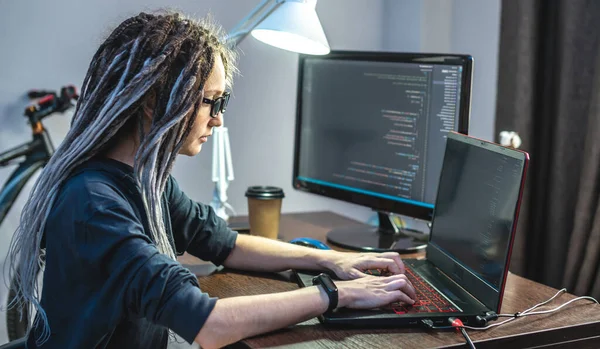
{"x":110,"y":219}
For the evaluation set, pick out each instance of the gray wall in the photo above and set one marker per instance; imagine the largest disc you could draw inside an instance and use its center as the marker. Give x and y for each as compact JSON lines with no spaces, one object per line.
{"x":47,"y":44}
{"x":262,"y":139}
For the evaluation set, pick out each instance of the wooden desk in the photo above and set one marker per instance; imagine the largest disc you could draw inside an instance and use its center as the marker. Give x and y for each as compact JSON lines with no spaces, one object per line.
{"x":575,"y":326}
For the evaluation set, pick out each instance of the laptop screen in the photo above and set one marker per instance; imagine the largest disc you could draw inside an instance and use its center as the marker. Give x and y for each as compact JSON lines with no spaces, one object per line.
{"x":476,"y":206}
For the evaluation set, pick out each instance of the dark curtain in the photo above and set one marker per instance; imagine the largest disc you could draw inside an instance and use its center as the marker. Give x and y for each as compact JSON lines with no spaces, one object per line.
{"x":549,"y":92}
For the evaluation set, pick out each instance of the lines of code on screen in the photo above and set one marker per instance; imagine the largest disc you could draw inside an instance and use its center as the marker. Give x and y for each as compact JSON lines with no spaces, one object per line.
{"x":377,"y":127}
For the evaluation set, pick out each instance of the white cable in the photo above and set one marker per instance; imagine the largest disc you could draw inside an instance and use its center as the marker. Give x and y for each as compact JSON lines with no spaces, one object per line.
{"x":489,"y":326}
{"x":222,"y":172}
{"x":559,"y":307}
{"x":222,"y":176}
{"x":531,"y":312}
{"x":560,"y":292}
{"x":230,"y":208}
{"x":215,"y":155}
{"x":228,"y":159}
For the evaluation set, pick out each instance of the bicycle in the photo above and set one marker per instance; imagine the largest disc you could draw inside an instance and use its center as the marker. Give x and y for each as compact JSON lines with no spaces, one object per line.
{"x":35,"y":155}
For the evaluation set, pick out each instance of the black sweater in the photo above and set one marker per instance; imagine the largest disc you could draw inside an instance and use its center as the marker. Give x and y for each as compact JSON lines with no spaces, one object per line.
{"x":105,"y":284}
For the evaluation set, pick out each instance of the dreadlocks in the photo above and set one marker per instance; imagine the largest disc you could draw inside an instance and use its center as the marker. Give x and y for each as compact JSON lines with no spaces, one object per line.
{"x":163,"y":60}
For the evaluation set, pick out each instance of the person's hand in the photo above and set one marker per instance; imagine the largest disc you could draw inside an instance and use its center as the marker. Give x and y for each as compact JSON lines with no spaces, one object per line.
{"x":375,"y":291}
{"x":349,"y":265}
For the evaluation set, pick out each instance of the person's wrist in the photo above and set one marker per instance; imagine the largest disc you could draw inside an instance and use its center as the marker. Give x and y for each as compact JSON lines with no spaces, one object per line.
{"x":324,"y":281}
{"x":344,"y":296}
{"x":327,"y":259}
{"x":324,"y":299}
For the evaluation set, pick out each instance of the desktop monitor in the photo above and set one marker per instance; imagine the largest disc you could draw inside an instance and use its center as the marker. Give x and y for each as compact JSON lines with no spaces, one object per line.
{"x":371,"y":129}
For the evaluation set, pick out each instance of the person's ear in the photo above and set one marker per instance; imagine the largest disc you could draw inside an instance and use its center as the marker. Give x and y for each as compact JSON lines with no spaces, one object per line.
{"x":148,"y":106}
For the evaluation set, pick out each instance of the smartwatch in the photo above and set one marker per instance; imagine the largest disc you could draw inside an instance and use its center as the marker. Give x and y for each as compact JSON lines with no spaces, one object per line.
{"x":330,"y":289}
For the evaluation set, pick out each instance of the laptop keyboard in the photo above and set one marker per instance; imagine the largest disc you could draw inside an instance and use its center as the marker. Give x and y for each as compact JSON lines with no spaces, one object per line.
{"x":428,"y":299}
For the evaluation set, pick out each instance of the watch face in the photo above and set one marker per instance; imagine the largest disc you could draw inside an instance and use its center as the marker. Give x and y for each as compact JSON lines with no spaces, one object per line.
{"x":328,"y":283}
{"x":329,"y":287}
{"x":325,"y":280}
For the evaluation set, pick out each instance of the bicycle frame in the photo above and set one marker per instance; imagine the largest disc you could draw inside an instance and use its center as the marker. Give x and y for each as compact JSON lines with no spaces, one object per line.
{"x":37,"y":153}
{"x":32,"y":156}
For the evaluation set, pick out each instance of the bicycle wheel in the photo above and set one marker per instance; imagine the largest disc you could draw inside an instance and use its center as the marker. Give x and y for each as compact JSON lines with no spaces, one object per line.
{"x":17,"y":324}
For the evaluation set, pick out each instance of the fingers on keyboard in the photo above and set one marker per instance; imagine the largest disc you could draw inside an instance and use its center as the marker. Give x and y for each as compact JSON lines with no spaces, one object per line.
{"x":378,"y":272}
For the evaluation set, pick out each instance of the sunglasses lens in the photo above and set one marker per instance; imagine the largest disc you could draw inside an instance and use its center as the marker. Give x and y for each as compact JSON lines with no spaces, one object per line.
{"x":218,"y":105}
{"x":225,"y":102}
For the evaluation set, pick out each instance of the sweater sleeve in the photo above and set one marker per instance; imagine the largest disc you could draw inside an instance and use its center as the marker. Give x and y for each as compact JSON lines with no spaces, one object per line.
{"x":196,"y":227}
{"x":139,"y":280}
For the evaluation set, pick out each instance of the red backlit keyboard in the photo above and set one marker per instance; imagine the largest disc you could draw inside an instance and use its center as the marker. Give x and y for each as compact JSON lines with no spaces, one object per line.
{"x":428,"y":299}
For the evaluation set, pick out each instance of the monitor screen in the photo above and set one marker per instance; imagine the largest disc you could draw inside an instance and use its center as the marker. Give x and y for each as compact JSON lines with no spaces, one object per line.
{"x":371,"y":126}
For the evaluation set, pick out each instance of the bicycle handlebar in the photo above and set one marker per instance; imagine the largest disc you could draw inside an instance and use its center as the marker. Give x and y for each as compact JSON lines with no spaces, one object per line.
{"x":39,"y":93}
{"x":67,"y":90}
{"x":41,"y":147}
{"x":50,"y":102}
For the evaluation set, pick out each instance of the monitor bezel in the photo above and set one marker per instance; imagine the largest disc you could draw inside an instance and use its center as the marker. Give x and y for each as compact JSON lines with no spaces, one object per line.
{"x":376,"y":203}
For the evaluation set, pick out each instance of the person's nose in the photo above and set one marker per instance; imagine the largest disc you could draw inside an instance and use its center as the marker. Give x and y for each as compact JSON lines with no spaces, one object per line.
{"x":216,"y":121}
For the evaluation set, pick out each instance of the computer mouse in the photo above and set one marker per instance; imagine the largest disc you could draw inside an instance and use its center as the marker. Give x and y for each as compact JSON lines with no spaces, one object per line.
{"x":309,"y":242}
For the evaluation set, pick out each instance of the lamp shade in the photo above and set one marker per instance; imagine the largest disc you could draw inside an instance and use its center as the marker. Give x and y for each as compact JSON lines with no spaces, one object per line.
{"x":294,"y":26}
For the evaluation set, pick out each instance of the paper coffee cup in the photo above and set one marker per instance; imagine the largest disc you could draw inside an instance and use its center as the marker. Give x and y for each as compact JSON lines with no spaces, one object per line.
{"x":264,"y":210}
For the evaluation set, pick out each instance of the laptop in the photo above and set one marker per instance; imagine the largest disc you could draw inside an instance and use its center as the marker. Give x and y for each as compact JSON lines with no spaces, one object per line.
{"x":472,"y":232}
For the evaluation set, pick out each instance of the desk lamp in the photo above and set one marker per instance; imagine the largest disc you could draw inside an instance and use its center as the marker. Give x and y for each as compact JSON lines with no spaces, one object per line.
{"x":291,"y":25}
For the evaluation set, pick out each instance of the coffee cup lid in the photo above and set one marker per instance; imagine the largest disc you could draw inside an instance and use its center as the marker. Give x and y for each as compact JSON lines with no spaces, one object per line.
{"x":264,"y":192}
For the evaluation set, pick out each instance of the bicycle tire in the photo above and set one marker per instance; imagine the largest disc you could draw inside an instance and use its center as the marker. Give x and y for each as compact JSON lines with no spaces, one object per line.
{"x":16,"y":325}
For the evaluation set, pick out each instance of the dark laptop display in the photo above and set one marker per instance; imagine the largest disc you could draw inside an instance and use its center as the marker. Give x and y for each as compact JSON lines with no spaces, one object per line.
{"x":475,"y":214}
{"x":472,"y":232}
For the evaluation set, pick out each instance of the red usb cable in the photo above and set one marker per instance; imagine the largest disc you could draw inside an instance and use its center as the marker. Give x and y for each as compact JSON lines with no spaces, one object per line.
{"x":458,"y":324}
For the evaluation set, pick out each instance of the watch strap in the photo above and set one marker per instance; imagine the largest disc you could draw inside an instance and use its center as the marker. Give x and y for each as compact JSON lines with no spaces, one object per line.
{"x":330,"y":289}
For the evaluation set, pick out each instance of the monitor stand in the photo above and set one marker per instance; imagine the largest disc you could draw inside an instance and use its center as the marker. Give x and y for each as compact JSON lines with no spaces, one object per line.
{"x":386,"y":237}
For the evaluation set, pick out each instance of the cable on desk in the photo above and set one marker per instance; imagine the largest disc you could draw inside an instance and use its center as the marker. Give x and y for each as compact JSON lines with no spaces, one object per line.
{"x":560,"y":292}
{"x":531,"y":311}
{"x":469,"y":341}
{"x":457,"y":323}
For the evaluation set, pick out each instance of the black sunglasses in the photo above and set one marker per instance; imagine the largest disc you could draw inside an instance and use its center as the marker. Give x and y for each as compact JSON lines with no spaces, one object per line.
{"x":218,"y":105}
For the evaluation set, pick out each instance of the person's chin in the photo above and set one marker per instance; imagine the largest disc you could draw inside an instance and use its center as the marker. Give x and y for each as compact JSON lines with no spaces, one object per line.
{"x":191,"y":150}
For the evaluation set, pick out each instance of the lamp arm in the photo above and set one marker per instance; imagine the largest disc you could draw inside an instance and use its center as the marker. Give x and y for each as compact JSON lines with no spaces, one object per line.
{"x":245,"y":26}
